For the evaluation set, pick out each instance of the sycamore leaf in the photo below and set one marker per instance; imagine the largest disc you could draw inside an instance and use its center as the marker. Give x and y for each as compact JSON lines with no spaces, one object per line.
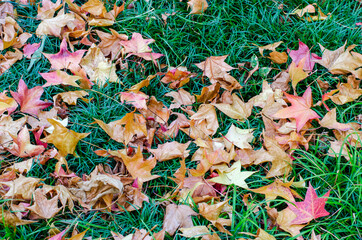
{"x":139,"y":47}
{"x":311,"y":208}
{"x":42,"y":207}
{"x":64,"y":140}
{"x":197,"y":6}
{"x":138,"y":167}
{"x":59,"y":77}
{"x":22,"y":146}
{"x":177,"y":216}
{"x":29,"y":99}
{"x":300,"y":110}
{"x":65,"y":59}
{"x":303,"y":52}
{"x":232,"y":175}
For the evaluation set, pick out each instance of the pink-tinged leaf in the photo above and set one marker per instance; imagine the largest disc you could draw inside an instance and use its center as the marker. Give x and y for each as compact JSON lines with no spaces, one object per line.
{"x":139,"y":46}
{"x":359,"y":24}
{"x":311,"y":208}
{"x":65,"y":59}
{"x":37,"y":135}
{"x":59,"y":77}
{"x":7,"y":103}
{"x":138,"y":100}
{"x":29,"y":49}
{"x":22,"y":146}
{"x":300,"y":110}
{"x":29,"y":99}
{"x":58,"y":236}
{"x":304,"y":52}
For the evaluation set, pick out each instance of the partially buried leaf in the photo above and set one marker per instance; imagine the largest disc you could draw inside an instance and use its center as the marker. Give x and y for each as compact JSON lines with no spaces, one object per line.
{"x":194,"y":232}
{"x":208,"y":93}
{"x":64,"y":140}
{"x":135,"y":125}
{"x":9,"y":218}
{"x":29,"y":99}
{"x":177,"y":216}
{"x":8,"y":59}
{"x":232,"y":175}
{"x":177,"y":77}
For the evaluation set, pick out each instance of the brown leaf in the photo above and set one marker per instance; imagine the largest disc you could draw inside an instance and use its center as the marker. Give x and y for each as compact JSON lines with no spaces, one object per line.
{"x":212,"y":213}
{"x":11,"y":219}
{"x":135,"y":125}
{"x":177,"y":216}
{"x":197,"y":6}
{"x":279,"y":57}
{"x":22,"y":146}
{"x":42,"y":207}
{"x":329,"y":121}
{"x":22,"y":187}
{"x":8,"y":128}
{"x":237,"y":110}
{"x":171,"y":150}
{"x":71,"y":97}
{"x":113,"y":129}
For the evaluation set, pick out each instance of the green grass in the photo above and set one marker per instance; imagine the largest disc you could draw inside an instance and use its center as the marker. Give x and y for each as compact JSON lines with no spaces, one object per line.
{"x":228,"y":27}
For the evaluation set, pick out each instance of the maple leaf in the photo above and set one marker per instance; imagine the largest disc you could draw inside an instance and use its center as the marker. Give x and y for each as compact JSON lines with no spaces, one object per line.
{"x":22,"y":146}
{"x":111,"y":43}
{"x":138,"y":167}
{"x":29,"y":99}
{"x":29,"y":49}
{"x":212,"y":213}
{"x":278,"y":188}
{"x":311,"y":208}
{"x":271,"y":47}
{"x":296,"y":73}
{"x":63,"y":139}
{"x":22,"y":187}
{"x":71,"y":97}
{"x":300,"y":110}
{"x":9,"y":127}
{"x":208,"y":93}
{"x":139,"y":47}
{"x":177,"y":77}
{"x":42,"y":207}
{"x":329,"y":121}
{"x":181,"y":97}
{"x":138,"y":100}
{"x":97,"y":67}
{"x":53,"y":26}
{"x":206,"y":120}
{"x":197,"y":6}
{"x":177,"y":216}
{"x":240,"y":137}
{"x":48,"y":9}
{"x":113,"y":129}
{"x":59,"y":77}
{"x":232,"y":175}
{"x":303,"y":52}
{"x":171,"y":150}
{"x":341,"y":61}
{"x":237,"y":110}
{"x":8,"y":59}
{"x":216,"y":70}
{"x":7,"y":104}
{"x":135,"y":124}
{"x":65,"y":59}
{"x":9,"y":218}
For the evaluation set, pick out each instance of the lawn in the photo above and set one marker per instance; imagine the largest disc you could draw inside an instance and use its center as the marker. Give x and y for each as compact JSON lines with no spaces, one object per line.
{"x":227,"y":27}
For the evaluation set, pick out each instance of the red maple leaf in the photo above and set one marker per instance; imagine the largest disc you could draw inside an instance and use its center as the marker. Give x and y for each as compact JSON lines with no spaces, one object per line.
{"x":304,"y":52}
{"x":29,"y":99}
{"x":311,"y":208}
{"x":64,"y":58}
{"x":300,"y":109}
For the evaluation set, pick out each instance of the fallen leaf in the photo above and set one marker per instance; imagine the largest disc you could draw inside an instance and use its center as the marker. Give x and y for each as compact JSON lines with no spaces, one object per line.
{"x":237,"y":110}
{"x":71,"y":97}
{"x":263,"y":235}
{"x":300,"y":110}
{"x":177,"y":216}
{"x":329,"y":121}
{"x":303,"y":52}
{"x":311,"y":208}
{"x":43,"y":207}
{"x":271,"y":47}
{"x":53,"y":26}
{"x":232,"y":175}
{"x":171,"y":150}
{"x":22,"y":146}
{"x":64,"y":140}
{"x":59,"y":77}
{"x":48,"y":8}
{"x":138,"y":100}
{"x":296,"y":73}
{"x":113,"y":129}
{"x":7,"y":104}
{"x":212,"y":213}
{"x":8,"y":128}
{"x":29,"y":99}
{"x":135,"y":125}
{"x":279,"y":57}
{"x":197,"y":6}
{"x":240,"y":137}
{"x":22,"y":187}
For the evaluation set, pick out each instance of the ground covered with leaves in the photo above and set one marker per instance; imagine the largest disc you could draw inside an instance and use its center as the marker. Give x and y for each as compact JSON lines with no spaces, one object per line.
{"x":168,"y":119}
